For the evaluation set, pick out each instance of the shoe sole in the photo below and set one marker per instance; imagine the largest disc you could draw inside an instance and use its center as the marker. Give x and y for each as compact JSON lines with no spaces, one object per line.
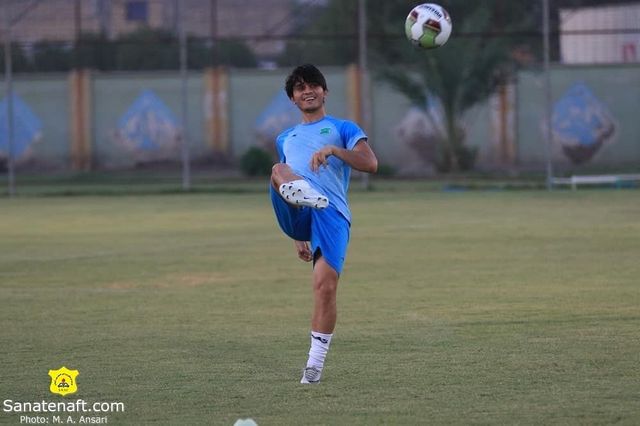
{"x":296,"y":196}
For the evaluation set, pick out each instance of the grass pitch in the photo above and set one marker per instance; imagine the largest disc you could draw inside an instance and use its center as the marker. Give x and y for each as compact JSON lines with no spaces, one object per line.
{"x":454,"y":308}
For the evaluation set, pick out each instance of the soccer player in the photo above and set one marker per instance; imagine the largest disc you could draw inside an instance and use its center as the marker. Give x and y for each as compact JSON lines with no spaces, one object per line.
{"x":309,"y":195}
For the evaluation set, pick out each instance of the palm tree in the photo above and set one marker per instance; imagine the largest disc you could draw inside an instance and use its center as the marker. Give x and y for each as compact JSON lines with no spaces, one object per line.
{"x":460,"y":74}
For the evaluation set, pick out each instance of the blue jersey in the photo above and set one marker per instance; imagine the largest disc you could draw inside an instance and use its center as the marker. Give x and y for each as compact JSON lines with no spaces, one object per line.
{"x":297,"y":145}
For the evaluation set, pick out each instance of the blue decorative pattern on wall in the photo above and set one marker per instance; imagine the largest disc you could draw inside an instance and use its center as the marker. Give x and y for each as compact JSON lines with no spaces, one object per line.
{"x":26,"y":124}
{"x":581,"y":123}
{"x":149,"y":127}
{"x":280,"y":114}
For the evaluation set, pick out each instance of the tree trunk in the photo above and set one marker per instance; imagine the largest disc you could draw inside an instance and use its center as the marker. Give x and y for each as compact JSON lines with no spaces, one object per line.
{"x":452,"y":144}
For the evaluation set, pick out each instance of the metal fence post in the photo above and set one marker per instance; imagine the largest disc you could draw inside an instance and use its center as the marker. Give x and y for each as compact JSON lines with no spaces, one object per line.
{"x":8,"y":76}
{"x":547,"y":94}
{"x":364,"y":76}
{"x":186,"y":163}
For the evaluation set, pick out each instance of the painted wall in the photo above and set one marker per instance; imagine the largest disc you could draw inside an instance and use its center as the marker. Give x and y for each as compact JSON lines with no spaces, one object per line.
{"x":595,"y":118}
{"x":115,"y":95}
{"x":47,"y":97}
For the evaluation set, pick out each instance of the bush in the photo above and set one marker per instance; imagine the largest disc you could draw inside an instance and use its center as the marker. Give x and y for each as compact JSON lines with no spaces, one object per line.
{"x":466,"y":156}
{"x":386,"y":170}
{"x":256,"y":162}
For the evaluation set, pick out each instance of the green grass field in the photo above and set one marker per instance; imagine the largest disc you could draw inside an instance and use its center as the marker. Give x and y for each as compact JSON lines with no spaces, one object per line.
{"x":493,"y":307}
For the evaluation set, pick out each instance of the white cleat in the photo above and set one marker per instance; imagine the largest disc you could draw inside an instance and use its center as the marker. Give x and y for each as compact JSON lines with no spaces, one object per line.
{"x":311,"y":375}
{"x":300,"y":193}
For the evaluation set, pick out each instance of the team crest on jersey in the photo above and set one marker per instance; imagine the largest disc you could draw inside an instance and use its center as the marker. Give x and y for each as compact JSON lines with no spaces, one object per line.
{"x":325,"y":130}
{"x":63,"y":381}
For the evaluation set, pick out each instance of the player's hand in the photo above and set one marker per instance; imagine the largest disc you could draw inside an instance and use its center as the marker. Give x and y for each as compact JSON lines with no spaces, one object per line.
{"x":320,"y":158}
{"x":304,"y":252}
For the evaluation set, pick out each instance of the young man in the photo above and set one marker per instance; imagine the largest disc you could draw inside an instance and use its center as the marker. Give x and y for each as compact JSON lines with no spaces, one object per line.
{"x":309,"y":195}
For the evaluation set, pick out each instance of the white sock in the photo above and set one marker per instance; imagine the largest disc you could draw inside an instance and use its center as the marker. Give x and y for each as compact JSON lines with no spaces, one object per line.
{"x":319,"y":347}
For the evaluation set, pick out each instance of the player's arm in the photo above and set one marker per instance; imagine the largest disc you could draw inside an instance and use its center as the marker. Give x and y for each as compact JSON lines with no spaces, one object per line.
{"x":303,"y":250}
{"x":361,"y":157}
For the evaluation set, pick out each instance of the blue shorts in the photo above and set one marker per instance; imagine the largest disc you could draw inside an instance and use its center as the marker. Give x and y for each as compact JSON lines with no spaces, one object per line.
{"x":327,"y":230}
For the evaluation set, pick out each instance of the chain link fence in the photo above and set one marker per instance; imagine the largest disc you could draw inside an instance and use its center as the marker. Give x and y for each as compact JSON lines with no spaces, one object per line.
{"x":96,"y":84}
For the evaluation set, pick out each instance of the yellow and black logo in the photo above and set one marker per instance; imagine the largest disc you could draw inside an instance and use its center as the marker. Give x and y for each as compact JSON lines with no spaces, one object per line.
{"x":63,"y":381}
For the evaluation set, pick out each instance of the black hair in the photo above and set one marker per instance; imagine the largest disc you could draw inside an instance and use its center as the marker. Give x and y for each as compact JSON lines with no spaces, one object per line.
{"x":306,"y":73}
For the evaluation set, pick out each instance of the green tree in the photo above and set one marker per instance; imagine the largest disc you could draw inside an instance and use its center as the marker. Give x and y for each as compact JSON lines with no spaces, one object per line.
{"x":19,"y":60}
{"x":489,"y":41}
{"x":232,"y":53}
{"x":460,"y":74}
{"x":147,"y":49}
{"x":94,"y":51}
{"x":51,"y":56}
{"x":144,"y":49}
{"x":323,"y":35}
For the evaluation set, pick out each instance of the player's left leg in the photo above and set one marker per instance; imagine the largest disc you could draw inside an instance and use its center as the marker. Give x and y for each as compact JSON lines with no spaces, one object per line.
{"x":294,"y":222}
{"x":294,"y":189}
{"x":282,"y":173}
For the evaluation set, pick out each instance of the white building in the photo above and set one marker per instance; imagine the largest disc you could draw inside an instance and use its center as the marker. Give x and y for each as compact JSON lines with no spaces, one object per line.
{"x":601,"y":34}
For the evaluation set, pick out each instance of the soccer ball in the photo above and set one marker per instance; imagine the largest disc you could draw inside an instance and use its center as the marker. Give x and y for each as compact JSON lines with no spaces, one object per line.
{"x":428,"y":26}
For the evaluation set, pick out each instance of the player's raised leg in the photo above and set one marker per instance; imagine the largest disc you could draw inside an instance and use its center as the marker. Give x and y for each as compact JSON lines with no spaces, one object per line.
{"x":294,"y":189}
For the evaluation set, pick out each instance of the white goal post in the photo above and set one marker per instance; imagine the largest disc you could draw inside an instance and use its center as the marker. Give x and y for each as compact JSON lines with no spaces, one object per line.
{"x":615,"y":180}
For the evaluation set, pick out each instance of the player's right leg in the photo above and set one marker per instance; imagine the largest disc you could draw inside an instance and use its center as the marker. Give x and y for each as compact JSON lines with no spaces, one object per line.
{"x":323,"y":321}
{"x":329,"y":240}
{"x":294,"y":189}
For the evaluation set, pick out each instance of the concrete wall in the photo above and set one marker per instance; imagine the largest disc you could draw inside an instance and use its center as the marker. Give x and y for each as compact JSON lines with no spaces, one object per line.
{"x":595,"y":118}
{"x":114,"y":94}
{"x":48,"y":98}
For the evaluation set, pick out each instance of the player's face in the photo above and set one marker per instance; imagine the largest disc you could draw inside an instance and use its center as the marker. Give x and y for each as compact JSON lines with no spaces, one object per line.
{"x":309,"y":97}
